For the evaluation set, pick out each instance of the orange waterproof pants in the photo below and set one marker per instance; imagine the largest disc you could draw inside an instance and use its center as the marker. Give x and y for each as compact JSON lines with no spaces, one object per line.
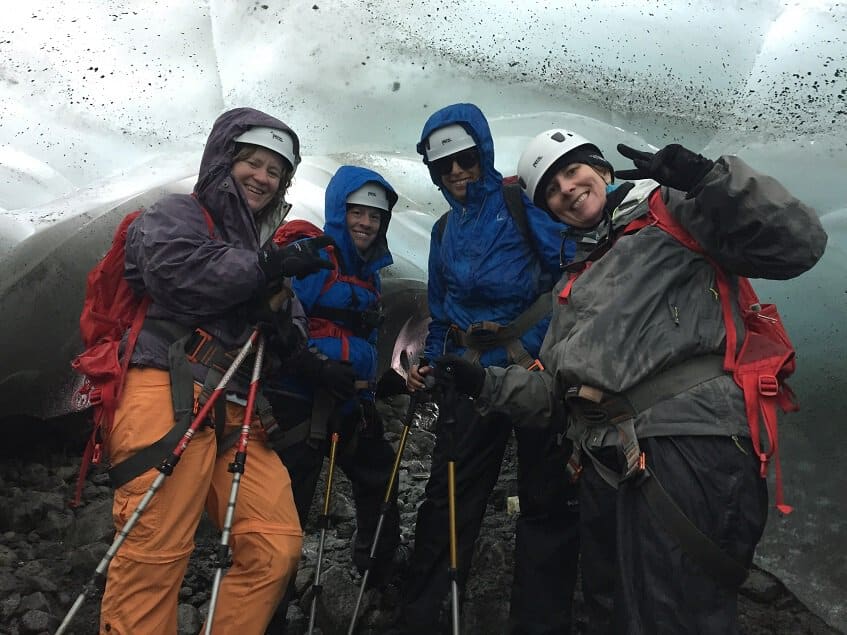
{"x":146,"y":573}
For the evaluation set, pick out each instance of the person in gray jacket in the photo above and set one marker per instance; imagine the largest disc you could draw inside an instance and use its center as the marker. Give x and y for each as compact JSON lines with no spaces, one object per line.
{"x":672,"y":495}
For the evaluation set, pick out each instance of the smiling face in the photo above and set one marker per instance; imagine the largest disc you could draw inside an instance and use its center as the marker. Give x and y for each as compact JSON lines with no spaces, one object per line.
{"x":576,"y":194}
{"x":363,"y":224}
{"x":456,"y":180}
{"x":259,"y":176}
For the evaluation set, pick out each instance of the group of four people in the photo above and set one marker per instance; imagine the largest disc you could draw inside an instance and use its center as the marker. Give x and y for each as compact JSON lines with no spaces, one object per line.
{"x":535,"y":290}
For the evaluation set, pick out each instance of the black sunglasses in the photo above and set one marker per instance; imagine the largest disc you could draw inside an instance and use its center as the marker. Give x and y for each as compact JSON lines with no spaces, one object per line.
{"x":466,"y":160}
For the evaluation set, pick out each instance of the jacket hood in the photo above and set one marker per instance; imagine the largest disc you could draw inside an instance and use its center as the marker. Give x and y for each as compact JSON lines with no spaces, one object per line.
{"x":215,"y":188}
{"x":470,"y":117}
{"x":347,"y":179}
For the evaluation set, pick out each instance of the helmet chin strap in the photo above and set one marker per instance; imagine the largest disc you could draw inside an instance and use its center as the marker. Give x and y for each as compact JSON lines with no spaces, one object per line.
{"x":615,"y":195}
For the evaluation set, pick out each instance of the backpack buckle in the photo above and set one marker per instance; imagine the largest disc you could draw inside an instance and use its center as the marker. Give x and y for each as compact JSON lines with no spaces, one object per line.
{"x":768,"y":385}
{"x":95,"y":396}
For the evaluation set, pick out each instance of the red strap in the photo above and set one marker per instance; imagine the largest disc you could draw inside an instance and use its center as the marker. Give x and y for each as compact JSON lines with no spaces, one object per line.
{"x":320,"y":327}
{"x":565,"y":293}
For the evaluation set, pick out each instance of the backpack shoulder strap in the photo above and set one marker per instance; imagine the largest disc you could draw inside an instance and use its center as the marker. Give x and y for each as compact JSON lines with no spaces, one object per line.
{"x":441,"y":224}
{"x":514,"y":202}
{"x":517,"y":209}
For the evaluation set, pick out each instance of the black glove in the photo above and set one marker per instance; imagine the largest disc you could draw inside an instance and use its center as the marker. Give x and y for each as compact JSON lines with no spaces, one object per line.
{"x":281,"y":335}
{"x":297,"y":259}
{"x":468,"y":378}
{"x":336,"y":376}
{"x":673,"y":165}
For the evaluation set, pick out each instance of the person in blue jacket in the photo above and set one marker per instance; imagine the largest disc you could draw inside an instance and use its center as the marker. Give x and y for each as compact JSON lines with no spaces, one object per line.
{"x":489,"y":299}
{"x":335,"y":385}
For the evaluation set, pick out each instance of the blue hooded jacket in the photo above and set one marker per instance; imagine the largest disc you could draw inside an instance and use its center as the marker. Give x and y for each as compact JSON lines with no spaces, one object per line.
{"x":313,"y":292}
{"x":482,"y":268}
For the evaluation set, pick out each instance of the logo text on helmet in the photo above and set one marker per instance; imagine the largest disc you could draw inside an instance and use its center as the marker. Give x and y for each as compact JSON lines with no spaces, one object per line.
{"x":537,"y":161}
{"x":446,"y":140}
{"x":278,"y":137}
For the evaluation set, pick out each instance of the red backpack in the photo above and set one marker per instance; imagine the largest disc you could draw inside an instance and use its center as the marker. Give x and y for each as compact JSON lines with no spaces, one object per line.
{"x":765,"y":359}
{"x":110,"y":309}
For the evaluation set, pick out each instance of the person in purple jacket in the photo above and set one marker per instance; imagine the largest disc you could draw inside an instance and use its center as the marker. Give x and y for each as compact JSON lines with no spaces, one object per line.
{"x":200,"y":260}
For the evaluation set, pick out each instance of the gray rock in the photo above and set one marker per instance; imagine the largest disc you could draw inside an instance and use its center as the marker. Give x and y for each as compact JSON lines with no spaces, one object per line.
{"x":56,"y":524}
{"x":189,"y":620}
{"x":33,"y":474}
{"x":341,"y":508}
{"x":36,"y":577}
{"x":761,"y":587}
{"x":9,"y":604}
{"x":305,"y":577}
{"x":336,"y":602}
{"x":8,"y":581}
{"x":87,"y":557}
{"x":38,"y":622}
{"x":35,"y":602}
{"x":8,"y":557}
{"x":93,"y":523}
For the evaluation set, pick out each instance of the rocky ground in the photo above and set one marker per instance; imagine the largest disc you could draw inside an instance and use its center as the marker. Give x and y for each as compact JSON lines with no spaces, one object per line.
{"x":48,"y":552}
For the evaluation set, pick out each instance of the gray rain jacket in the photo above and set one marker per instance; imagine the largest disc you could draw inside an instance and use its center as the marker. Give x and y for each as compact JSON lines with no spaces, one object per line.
{"x":195,"y":279}
{"x":650,"y":303}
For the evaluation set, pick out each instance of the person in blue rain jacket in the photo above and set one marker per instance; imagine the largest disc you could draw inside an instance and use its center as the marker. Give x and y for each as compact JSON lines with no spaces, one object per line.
{"x":332,"y":386}
{"x":489,"y":299}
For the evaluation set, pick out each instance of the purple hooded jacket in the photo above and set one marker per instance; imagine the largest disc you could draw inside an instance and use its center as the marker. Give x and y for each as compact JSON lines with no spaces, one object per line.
{"x":194,"y":278}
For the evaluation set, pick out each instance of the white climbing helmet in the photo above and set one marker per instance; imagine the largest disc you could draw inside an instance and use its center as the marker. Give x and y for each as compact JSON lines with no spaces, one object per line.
{"x":446,"y":141}
{"x":370,"y":194}
{"x":543,"y":151}
{"x":273,"y":139}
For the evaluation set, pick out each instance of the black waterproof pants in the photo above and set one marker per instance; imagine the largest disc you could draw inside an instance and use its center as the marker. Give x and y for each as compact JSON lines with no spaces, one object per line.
{"x":366,"y":458}
{"x":658,"y":587}
{"x":546,"y":541}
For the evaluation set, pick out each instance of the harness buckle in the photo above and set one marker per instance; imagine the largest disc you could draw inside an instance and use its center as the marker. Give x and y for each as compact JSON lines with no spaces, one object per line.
{"x":97,"y":453}
{"x":195,"y":347}
{"x":768,"y":385}
{"x":536,"y":365}
{"x":483,"y":332}
{"x":764,"y":459}
{"x":574,"y":469}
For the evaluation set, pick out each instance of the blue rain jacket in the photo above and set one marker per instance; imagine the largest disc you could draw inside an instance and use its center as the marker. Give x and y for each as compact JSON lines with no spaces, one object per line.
{"x":482,"y":268}
{"x":312,"y":291}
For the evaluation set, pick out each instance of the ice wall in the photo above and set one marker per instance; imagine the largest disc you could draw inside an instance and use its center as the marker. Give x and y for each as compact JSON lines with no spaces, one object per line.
{"x":100,"y":101}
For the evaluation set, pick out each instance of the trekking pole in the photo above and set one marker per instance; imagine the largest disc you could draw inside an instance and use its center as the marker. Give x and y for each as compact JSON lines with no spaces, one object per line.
{"x":416,"y":398}
{"x":166,"y":468}
{"x":447,"y":420}
{"x":237,"y":469}
{"x":323,"y":523}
